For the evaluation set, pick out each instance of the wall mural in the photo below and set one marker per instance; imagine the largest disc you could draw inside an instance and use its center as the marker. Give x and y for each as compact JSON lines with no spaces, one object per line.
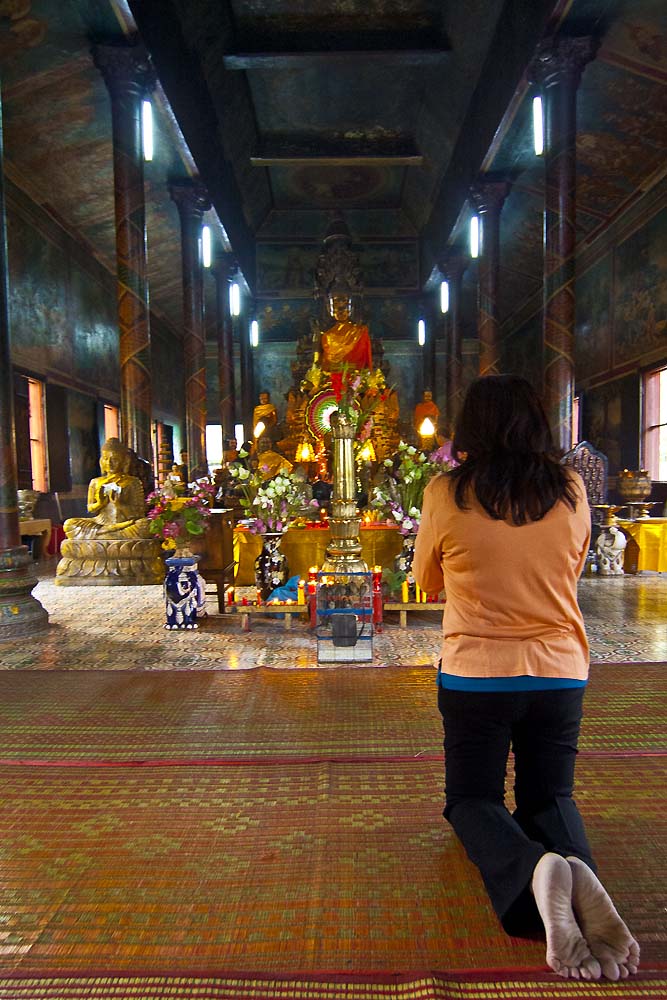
{"x":84,"y":445}
{"x":285,"y":319}
{"x":92,"y":314}
{"x":640,"y":306}
{"x":38,"y":278}
{"x":283,"y":267}
{"x":592,"y":331}
{"x":610,"y":421}
{"x":521,"y":351}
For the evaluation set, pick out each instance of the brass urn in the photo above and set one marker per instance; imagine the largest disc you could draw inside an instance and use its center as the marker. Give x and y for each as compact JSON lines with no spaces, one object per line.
{"x":634,"y":485}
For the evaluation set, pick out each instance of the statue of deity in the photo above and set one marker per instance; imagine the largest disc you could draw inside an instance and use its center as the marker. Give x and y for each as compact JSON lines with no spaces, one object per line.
{"x":264,"y":413}
{"x":115,"y":500}
{"x":427,"y":409}
{"x":345,"y":343}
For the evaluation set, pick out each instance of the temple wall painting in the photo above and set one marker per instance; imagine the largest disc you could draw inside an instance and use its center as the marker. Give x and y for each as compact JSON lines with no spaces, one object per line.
{"x":290,"y":267}
{"x":640,"y":300}
{"x":64,"y":329}
{"x":610,"y":420}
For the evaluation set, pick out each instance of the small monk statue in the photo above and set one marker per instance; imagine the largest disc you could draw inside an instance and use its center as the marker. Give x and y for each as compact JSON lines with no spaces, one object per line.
{"x":115,"y":500}
{"x":264,"y":413}
{"x":345,"y":343}
{"x":427,"y":409}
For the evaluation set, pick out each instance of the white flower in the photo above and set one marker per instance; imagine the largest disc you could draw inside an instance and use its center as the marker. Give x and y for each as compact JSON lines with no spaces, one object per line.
{"x":244,"y":473}
{"x":388,"y":462}
{"x":411,"y":450}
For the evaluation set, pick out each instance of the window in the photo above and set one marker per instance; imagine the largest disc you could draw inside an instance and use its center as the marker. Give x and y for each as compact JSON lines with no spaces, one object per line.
{"x":654,"y":424}
{"x":111,"y":422}
{"x":37,"y":425}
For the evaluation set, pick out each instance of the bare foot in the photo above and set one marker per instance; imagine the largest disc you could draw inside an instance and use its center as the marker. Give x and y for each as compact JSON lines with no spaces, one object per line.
{"x":568,"y":953}
{"x":608,"y":937}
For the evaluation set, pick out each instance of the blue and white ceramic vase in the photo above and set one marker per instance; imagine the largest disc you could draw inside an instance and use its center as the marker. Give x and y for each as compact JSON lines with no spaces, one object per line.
{"x":183,"y":593}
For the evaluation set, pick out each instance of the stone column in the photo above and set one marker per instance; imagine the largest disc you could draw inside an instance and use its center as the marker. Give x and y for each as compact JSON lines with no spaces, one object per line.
{"x":452,"y":266}
{"x":192,"y":201}
{"x":128,"y":76}
{"x":557,"y":69}
{"x":21,"y":615}
{"x":488,"y":198}
{"x":224,"y":268}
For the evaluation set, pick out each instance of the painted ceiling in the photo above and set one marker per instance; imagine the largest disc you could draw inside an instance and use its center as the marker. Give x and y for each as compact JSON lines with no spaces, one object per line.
{"x":386,"y":110}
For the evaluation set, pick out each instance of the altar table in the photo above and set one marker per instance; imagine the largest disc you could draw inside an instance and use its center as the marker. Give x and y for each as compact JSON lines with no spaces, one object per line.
{"x":650,"y":534}
{"x":40,"y":529}
{"x":306,"y":547}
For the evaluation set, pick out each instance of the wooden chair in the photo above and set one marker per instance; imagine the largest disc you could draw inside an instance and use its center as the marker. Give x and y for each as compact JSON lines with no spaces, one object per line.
{"x":592,"y":466}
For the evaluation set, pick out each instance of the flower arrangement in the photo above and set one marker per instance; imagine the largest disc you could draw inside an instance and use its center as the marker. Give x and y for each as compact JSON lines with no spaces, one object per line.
{"x":400,"y":495}
{"x":176,"y":519}
{"x":271,"y":505}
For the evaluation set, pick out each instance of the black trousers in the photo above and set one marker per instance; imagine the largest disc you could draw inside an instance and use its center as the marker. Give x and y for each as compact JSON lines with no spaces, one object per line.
{"x":542,"y":728}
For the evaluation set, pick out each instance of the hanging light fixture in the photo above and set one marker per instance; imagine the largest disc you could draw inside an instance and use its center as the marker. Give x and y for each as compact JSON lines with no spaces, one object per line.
{"x":474,"y":236}
{"x":444,"y":296}
{"x":421,"y":333}
{"x":235,"y":298}
{"x":538,"y":126}
{"x":254,"y":333}
{"x":206,"y":246}
{"x":147,"y":129}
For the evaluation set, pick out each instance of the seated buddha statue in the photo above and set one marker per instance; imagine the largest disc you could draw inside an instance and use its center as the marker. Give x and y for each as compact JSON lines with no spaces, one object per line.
{"x":345,"y":343}
{"x":115,"y":500}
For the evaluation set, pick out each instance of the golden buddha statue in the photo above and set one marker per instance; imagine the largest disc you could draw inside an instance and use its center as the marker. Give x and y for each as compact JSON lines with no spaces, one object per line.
{"x":269,"y":462}
{"x":115,"y":500}
{"x":345,"y":343}
{"x":264,"y":413}
{"x":114,"y":545}
{"x":427,"y":409}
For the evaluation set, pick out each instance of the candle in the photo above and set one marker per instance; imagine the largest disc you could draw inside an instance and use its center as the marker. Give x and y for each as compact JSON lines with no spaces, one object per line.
{"x":377,"y":597}
{"x":259,"y":596}
{"x":301,"y":592}
{"x":418,"y":594}
{"x":230,"y":595}
{"x":423,"y":597}
{"x":404,"y":592}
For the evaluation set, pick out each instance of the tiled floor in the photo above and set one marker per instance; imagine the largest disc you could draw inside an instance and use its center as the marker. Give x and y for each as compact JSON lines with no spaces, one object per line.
{"x":121,"y":628}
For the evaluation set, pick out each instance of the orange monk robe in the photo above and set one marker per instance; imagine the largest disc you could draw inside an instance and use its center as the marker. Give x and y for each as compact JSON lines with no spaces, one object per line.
{"x":426,"y":408}
{"x":346,"y":343}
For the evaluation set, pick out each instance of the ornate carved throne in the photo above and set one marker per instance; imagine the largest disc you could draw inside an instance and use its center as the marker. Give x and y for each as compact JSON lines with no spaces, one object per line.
{"x":592,"y":466}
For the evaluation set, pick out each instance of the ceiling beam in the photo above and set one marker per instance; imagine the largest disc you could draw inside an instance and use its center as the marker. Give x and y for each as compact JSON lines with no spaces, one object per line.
{"x":316,"y":160}
{"x":326,"y":59}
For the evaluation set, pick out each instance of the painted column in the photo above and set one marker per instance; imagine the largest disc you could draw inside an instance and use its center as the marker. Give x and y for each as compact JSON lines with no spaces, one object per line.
{"x":452,"y":266}
{"x":222,"y":272}
{"x":247,"y":388}
{"x":488,"y":198}
{"x":128,"y":76}
{"x":21,"y":615}
{"x":192,"y":201}
{"x":557,"y":69}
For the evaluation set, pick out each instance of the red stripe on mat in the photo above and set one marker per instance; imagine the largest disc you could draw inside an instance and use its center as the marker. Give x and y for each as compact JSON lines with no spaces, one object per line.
{"x":279,"y":761}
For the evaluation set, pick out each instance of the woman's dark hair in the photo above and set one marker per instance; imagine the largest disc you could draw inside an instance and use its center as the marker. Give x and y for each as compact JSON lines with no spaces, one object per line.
{"x":508,"y":460}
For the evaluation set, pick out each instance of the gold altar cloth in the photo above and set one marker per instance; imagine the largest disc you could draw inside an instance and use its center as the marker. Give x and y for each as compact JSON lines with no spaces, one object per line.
{"x":650,"y":535}
{"x":306,"y":547}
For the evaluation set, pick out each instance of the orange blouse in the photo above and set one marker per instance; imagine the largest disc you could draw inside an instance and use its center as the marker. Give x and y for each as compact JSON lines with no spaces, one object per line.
{"x":511,"y":591}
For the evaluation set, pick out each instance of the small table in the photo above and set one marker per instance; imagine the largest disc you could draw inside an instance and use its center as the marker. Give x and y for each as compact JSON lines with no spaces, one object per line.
{"x":40,"y":529}
{"x":404,"y":606}
{"x":650,"y":534}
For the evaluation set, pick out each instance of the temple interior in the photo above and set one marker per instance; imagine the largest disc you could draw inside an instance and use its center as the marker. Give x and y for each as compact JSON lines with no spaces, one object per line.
{"x":253,"y":254}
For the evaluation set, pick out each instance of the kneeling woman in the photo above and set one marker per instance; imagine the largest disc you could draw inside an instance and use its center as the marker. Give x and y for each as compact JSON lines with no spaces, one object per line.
{"x":507,"y":533}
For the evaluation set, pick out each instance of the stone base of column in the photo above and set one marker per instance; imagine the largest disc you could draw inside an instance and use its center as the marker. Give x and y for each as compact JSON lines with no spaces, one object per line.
{"x":21,"y":614}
